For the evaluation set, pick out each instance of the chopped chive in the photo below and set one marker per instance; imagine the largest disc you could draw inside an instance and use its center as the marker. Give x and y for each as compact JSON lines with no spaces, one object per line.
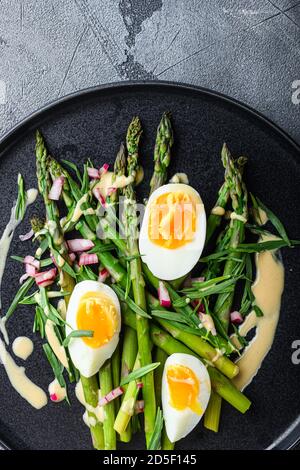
{"x":21,"y":200}
{"x":74,"y":168}
{"x":155,"y":440}
{"x":77,"y":334}
{"x":57,"y":367}
{"x":138,"y":373}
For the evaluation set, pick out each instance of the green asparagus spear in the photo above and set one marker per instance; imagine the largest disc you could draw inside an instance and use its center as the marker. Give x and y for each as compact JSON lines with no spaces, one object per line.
{"x":162,"y":152}
{"x":128,"y":359}
{"x":138,"y":285}
{"x":213,"y":412}
{"x":221,"y":384}
{"x":127,"y":407}
{"x":116,"y":373}
{"x":90,"y":391}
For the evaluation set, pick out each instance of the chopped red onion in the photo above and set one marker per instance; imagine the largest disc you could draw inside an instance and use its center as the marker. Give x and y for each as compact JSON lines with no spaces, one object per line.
{"x":200,"y":306}
{"x":26,"y":236}
{"x":72,"y":257}
{"x":208,"y":322}
{"x":45,"y":278}
{"x":111,"y":396}
{"x":99,"y":196}
{"x":163,"y":295}
{"x":30,"y":270}
{"x":80,"y":244}
{"x":23,"y":278}
{"x":93,"y":173}
{"x":236,"y":318}
{"x":103,"y":275}
{"x":187,"y":282}
{"x":88,"y":258}
{"x":56,"y":189}
{"x":139,"y":384}
{"x":139,"y":406}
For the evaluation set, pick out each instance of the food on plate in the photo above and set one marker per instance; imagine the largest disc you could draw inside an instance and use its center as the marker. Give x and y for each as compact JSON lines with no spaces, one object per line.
{"x":173,"y":231}
{"x":94,"y":307}
{"x":185,"y":394}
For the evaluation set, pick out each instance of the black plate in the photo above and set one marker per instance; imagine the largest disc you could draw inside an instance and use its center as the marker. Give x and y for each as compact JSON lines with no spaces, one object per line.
{"x":92,"y":123}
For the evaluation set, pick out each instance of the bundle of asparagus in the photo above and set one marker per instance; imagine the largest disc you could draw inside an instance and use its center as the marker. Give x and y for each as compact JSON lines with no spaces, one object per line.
{"x":196,"y":318}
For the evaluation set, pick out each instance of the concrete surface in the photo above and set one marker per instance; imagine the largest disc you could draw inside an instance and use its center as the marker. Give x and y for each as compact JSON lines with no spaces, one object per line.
{"x":249,"y":49}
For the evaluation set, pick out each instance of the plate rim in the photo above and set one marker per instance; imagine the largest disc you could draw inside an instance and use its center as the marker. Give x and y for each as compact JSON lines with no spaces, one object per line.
{"x":290,"y":438}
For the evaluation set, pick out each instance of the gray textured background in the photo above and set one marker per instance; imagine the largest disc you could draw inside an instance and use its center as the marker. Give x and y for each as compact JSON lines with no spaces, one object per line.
{"x":249,"y":49}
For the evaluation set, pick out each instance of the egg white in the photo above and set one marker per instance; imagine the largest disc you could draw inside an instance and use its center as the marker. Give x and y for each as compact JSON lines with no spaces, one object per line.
{"x":169,"y":264}
{"x":86,"y":359}
{"x":179,"y":423}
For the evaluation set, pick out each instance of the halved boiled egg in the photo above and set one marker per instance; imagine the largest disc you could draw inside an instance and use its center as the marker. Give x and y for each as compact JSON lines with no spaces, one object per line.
{"x":173,"y":231}
{"x":185,"y":394}
{"x":93,"y":306}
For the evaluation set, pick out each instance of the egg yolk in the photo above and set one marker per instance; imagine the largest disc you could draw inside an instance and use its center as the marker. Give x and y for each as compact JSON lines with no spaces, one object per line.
{"x":97,"y":312}
{"x":183,"y":388}
{"x":172,"y":220}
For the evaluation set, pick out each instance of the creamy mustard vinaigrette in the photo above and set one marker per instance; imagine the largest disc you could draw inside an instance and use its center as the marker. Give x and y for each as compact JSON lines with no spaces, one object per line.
{"x":57,"y":348}
{"x":57,"y":393}
{"x":107,"y":181}
{"x":31,"y":392}
{"x":267,"y":289}
{"x":8,"y":234}
{"x":22,"y":347}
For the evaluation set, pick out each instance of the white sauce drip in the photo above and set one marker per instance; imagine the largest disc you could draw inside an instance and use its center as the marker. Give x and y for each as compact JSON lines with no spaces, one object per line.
{"x":33,"y":394}
{"x":267,"y":289}
{"x":57,"y":348}
{"x":262,"y":217}
{"x":97,"y":411}
{"x":218,"y":210}
{"x":106,"y":182}
{"x":8,"y":234}
{"x":57,"y":390}
{"x":22,"y":347}
{"x":179,"y":178}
